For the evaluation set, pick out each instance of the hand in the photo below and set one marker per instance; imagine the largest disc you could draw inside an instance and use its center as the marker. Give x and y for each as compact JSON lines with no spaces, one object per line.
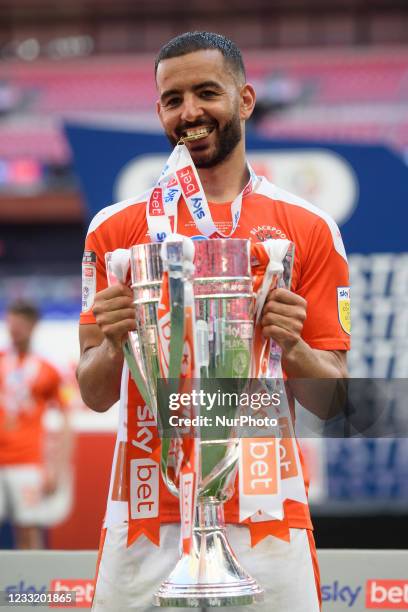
{"x":283,"y":317}
{"x":115,"y":314}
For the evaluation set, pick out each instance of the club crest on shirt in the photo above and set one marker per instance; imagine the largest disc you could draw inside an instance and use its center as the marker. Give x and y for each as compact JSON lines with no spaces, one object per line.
{"x":344,"y":308}
{"x":265,"y":232}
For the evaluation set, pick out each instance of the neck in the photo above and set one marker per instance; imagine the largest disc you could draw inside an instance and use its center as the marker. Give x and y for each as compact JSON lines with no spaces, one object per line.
{"x":224,"y":182}
{"x":21,"y":348}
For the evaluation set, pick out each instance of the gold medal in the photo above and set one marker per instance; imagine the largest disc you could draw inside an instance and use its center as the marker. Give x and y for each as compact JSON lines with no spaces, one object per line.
{"x":197,"y":135}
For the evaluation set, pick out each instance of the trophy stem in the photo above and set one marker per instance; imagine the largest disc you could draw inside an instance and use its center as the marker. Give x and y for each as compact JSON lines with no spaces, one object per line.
{"x":210,"y":576}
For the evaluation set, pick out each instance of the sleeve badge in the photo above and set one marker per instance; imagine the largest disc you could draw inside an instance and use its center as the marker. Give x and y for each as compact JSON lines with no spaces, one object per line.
{"x":344,"y":308}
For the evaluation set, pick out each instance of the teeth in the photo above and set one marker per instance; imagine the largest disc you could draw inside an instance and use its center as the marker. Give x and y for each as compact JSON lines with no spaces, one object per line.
{"x":196,"y":134}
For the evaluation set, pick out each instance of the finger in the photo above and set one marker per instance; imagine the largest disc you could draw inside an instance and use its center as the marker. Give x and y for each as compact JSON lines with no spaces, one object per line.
{"x":114,"y":303}
{"x":279,"y":334}
{"x":295,"y":311}
{"x":115,"y":316}
{"x":114,"y":291}
{"x":288,"y":323}
{"x":285,"y":296}
{"x":117,"y":331}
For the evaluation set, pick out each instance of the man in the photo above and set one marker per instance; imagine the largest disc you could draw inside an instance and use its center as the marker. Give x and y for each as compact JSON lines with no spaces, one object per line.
{"x":28,"y":385}
{"x":203,"y":92}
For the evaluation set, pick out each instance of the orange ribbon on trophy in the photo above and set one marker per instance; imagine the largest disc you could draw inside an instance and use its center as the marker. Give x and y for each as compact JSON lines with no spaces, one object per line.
{"x":184,"y":447}
{"x":141,"y":465}
{"x":270,"y":470}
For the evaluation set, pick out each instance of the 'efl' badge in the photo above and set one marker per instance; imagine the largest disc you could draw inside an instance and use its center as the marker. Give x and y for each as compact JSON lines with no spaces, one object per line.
{"x":343,"y":307}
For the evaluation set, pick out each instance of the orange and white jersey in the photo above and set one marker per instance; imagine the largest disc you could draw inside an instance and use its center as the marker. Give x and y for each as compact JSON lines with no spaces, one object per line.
{"x":28,"y":383}
{"x":320,"y":274}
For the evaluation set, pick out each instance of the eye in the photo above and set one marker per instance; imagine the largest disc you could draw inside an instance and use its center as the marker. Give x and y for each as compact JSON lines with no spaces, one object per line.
{"x":172,"y":102}
{"x":208,"y":93}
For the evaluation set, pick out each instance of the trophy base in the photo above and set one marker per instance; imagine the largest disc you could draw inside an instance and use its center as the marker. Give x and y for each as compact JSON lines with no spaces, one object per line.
{"x":210,"y":576}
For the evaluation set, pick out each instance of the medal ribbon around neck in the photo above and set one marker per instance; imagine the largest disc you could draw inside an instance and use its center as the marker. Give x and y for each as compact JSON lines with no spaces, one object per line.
{"x":180,"y":177}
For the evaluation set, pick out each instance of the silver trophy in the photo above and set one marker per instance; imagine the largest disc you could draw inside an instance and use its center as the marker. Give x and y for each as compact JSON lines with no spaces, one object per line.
{"x":209,"y":575}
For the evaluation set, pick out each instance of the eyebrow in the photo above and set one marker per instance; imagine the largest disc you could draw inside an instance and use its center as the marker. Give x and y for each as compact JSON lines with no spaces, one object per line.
{"x":202,"y":85}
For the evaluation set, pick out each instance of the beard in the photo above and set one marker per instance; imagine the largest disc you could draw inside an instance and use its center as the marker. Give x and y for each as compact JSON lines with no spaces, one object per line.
{"x":226,"y":141}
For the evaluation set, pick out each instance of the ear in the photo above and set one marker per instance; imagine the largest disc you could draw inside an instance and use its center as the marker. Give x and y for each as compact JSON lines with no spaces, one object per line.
{"x":247,"y":101}
{"x":159,"y":110}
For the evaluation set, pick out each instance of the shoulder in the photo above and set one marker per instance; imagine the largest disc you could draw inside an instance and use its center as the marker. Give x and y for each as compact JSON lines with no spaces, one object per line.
{"x":306,"y":215}
{"x":48,"y":369}
{"x":117,"y":213}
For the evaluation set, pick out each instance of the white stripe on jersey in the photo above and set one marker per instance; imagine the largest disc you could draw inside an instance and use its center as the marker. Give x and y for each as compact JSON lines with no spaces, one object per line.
{"x":111,"y":210}
{"x":276,"y":193}
{"x":117,"y":511}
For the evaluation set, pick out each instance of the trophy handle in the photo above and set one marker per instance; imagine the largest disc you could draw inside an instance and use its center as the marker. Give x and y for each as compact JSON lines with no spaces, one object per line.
{"x":172,"y":256}
{"x":275,"y":352}
{"x":117,"y":267}
{"x":219,"y":482}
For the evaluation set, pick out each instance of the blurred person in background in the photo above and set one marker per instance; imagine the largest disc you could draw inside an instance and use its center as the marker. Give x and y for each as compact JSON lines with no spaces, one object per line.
{"x":28,"y":386}
{"x":203,"y":92}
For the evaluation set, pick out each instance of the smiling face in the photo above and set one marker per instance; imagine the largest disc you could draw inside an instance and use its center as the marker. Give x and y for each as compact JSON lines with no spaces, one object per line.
{"x":200,"y":95}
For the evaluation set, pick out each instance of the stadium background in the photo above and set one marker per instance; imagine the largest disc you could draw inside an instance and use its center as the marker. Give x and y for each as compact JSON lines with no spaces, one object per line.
{"x":330,"y":77}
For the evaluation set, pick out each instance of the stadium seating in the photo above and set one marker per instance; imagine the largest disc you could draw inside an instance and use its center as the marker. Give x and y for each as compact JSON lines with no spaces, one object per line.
{"x":338,"y":94}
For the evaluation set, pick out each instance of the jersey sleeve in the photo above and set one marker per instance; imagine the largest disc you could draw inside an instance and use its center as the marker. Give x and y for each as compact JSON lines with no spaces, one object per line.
{"x":116,"y":226}
{"x":93,"y":276}
{"x":324,"y":283}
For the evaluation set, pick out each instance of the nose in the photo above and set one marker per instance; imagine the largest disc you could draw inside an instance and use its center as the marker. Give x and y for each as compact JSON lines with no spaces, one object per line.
{"x":191,"y":110}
